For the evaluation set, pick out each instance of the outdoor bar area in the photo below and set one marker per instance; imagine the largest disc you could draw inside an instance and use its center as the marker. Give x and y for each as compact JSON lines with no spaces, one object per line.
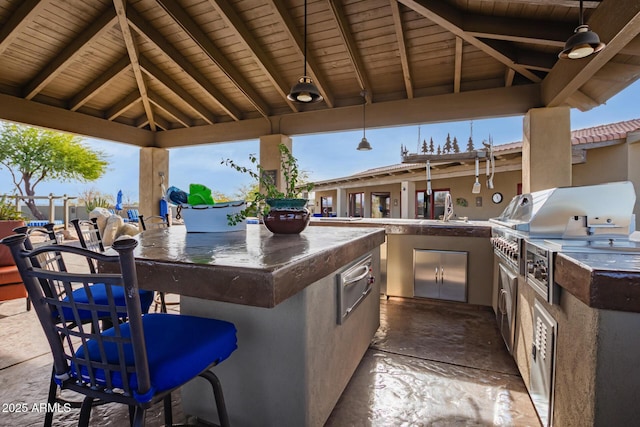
{"x":272,"y":317}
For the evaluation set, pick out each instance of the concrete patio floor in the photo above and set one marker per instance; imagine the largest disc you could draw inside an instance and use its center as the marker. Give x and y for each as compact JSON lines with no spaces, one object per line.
{"x":430,"y":364}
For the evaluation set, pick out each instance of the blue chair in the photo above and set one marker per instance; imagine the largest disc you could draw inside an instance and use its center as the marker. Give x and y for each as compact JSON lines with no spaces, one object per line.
{"x":36,"y":237}
{"x":137,"y":363}
{"x":133,"y":215}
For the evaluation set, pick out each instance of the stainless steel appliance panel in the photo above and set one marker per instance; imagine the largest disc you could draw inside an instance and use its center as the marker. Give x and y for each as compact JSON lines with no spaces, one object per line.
{"x":543,"y":356}
{"x":453,"y":271}
{"x":354,"y":283}
{"x":440,"y":274}
{"x":507,"y":308}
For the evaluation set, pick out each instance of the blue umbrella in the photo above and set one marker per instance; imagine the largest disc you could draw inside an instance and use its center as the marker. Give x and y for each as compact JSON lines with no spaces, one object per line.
{"x":119,"y":201}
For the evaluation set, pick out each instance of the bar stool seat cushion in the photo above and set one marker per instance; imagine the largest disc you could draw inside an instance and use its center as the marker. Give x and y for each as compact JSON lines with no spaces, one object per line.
{"x":179,"y":347}
{"x":99,"y":293}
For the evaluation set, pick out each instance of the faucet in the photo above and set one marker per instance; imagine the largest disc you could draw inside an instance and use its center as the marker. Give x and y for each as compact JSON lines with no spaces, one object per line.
{"x":448,"y":208}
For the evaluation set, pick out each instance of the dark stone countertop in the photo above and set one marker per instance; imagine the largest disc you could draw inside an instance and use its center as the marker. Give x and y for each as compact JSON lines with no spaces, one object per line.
{"x":254,"y":268}
{"x":608,"y":281}
{"x":421,"y":227}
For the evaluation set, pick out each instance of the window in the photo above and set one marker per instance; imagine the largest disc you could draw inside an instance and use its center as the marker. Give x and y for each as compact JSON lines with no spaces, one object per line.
{"x":356,"y":204}
{"x":430,"y":207}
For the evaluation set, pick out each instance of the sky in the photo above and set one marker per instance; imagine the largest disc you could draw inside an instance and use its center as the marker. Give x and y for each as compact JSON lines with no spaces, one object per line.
{"x":321,"y":156}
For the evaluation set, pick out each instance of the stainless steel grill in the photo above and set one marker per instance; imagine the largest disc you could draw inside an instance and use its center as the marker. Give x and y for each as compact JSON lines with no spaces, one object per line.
{"x":538,"y":225}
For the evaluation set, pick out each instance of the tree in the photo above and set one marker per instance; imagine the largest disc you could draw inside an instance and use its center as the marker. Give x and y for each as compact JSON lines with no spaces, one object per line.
{"x":456,"y":147}
{"x":470,"y":146}
{"x":447,"y":145}
{"x":35,"y":155}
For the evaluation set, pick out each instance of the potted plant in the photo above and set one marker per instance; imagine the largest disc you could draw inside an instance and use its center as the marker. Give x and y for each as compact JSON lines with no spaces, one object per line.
{"x":282,"y":212}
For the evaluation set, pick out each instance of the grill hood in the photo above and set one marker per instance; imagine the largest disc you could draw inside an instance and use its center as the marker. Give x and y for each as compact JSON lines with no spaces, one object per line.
{"x":592,"y":211}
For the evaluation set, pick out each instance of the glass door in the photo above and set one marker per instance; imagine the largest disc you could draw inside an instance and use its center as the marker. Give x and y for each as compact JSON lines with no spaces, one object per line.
{"x":356,"y":205}
{"x":380,"y":205}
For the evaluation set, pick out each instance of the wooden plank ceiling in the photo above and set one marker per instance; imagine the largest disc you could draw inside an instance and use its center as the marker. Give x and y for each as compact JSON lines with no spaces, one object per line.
{"x":171,"y":73}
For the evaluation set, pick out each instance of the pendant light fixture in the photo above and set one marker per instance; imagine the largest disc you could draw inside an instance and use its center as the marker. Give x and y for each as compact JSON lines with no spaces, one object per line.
{"x":305,"y":91}
{"x":364,"y":144}
{"x":582,"y":43}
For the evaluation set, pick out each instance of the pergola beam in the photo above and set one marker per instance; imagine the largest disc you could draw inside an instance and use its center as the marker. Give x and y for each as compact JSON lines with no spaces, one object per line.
{"x":154,"y":37}
{"x":233,"y":20}
{"x":196,"y":34}
{"x":352,"y":49}
{"x":452,"y":20}
{"x":93,"y":32}
{"x":21,"y":18}
{"x":132,"y":51}
{"x":402,"y":47}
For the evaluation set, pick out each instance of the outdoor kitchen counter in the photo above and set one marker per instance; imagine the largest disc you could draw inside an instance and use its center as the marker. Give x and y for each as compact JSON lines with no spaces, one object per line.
{"x":601,"y":280}
{"x":255,"y":268}
{"x":424,"y":227}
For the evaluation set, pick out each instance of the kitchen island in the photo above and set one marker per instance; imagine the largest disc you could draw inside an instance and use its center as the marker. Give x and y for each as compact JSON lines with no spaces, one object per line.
{"x":294,"y":358}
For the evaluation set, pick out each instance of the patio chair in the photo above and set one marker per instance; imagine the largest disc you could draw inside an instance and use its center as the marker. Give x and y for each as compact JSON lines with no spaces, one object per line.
{"x":133,"y":215}
{"x":137,"y":363}
{"x":152,"y":222}
{"x":90,"y":238}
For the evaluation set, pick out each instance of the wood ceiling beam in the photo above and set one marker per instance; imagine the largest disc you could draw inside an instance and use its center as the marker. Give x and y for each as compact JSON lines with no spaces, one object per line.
{"x":312,"y":65}
{"x":49,"y":117}
{"x":155,"y":38}
{"x":509,"y":74}
{"x":116,"y":70}
{"x":457,"y":74}
{"x":132,"y":50}
{"x":563,"y":3}
{"x":94,"y":31}
{"x":452,"y":20}
{"x":161,"y":123}
{"x":511,"y":29}
{"x":180,"y":17}
{"x":233,"y":20}
{"x":19,"y":19}
{"x":352,"y":49}
{"x":179,"y":91}
{"x":530,"y":59}
{"x":402,"y":48}
{"x":468,"y":105}
{"x":617,"y":23}
{"x":123,"y":105}
{"x":170,"y":109}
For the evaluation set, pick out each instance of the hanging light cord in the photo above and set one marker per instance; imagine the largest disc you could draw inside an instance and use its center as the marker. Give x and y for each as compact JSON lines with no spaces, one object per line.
{"x":305,"y":37}
{"x":581,"y":15}
{"x":364,"y":123}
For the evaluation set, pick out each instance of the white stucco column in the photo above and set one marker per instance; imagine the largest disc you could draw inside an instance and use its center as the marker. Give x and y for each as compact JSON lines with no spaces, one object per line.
{"x":546,"y":149}
{"x":270,"y":155}
{"x":154,"y":167}
{"x":342,"y":204}
{"x":633,"y":160}
{"x":407,"y":199}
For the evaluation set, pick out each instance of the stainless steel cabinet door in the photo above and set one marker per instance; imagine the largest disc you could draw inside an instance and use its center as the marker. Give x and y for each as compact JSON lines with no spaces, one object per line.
{"x":426,"y":273}
{"x":440,"y":274}
{"x":453,"y":284}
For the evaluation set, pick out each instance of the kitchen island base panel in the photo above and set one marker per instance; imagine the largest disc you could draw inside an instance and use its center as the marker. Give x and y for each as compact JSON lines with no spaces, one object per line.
{"x":293,"y":361}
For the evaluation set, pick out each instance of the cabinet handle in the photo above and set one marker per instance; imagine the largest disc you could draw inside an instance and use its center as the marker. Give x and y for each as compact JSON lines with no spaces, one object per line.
{"x":441,"y":274}
{"x":436,"y":275}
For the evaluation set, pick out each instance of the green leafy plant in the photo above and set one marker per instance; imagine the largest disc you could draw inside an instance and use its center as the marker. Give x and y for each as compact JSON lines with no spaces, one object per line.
{"x":267,"y":189}
{"x":97,"y":202}
{"x":8,"y":211}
